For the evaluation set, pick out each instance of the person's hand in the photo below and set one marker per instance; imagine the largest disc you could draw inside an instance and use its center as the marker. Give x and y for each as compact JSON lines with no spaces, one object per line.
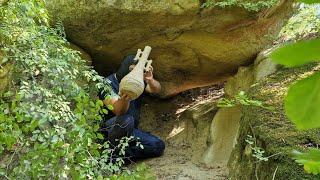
{"x":148,"y":75}
{"x":121,"y":105}
{"x":124,"y":97}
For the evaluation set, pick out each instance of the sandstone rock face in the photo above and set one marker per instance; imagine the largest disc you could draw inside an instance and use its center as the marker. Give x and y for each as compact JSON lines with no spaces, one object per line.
{"x":224,"y":130}
{"x":192,"y":47}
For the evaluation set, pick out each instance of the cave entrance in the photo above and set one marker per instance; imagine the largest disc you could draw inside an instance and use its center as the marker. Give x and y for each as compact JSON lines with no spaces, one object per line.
{"x":199,"y":136}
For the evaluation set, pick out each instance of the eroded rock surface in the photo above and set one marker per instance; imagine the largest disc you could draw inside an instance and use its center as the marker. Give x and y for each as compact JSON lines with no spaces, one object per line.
{"x":192,"y":47}
{"x":225,"y":126}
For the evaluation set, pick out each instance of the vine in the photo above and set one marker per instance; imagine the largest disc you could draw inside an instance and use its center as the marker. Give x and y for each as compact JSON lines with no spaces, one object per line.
{"x":242,"y":99}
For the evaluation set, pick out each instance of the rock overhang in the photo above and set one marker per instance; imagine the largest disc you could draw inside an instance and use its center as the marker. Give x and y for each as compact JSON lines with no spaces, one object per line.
{"x":192,"y":47}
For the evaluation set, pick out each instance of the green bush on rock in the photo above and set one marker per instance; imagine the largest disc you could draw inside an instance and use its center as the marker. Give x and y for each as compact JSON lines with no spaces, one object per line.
{"x":49,"y":118}
{"x":247,"y":5}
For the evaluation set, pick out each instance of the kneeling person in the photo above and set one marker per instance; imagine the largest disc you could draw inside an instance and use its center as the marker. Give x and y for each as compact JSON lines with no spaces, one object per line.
{"x":124,"y":118}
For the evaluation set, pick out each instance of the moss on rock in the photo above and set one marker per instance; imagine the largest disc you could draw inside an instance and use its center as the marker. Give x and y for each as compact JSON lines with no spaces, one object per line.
{"x":273,"y":132}
{"x":254,"y":6}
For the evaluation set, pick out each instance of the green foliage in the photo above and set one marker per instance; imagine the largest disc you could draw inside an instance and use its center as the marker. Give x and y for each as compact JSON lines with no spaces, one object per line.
{"x":141,"y":172}
{"x":248,"y":5}
{"x":258,"y":152}
{"x":241,"y":99}
{"x":303,"y":24}
{"x":303,"y":99}
{"x":309,"y":1}
{"x":298,"y":53}
{"x":49,"y":120}
{"x":310,"y":160}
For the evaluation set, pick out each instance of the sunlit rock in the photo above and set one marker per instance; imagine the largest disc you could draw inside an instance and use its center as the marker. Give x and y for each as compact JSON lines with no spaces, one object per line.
{"x":192,"y":46}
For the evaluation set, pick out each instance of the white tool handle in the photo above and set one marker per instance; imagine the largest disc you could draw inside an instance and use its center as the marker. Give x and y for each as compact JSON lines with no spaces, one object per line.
{"x":147,"y":68}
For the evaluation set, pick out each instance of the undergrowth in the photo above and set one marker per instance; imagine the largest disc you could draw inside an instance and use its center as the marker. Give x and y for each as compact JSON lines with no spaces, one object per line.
{"x":49,"y":117}
{"x":304,"y":24}
{"x":246,"y":4}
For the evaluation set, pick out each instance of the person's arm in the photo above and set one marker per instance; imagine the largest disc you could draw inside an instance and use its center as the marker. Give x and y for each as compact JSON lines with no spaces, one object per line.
{"x":120,"y":105}
{"x":153,"y":86}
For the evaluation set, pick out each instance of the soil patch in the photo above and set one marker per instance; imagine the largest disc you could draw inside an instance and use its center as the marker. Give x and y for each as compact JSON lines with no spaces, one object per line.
{"x":183,"y":122}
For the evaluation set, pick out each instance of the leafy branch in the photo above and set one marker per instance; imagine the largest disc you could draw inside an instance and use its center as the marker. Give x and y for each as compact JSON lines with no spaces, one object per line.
{"x":242,"y":99}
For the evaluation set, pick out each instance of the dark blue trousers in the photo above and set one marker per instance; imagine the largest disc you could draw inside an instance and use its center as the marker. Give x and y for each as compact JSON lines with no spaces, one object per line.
{"x":120,"y":126}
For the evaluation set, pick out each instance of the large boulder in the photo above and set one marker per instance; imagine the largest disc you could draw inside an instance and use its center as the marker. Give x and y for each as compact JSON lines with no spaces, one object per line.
{"x":196,"y":46}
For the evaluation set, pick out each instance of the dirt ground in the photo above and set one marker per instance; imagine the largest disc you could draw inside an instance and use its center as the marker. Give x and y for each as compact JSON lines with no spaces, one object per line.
{"x":183,"y":122}
{"x":176,"y":164}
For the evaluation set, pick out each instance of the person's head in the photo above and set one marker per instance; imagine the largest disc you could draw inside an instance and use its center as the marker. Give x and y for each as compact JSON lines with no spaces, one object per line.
{"x":126,"y":66}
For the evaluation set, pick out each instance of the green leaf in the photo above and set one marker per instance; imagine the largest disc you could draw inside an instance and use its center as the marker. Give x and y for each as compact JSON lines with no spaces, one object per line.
{"x":309,"y":1}
{"x":4,"y":60}
{"x":99,"y":103}
{"x":303,"y":101}
{"x":141,"y":146}
{"x":224,"y":102}
{"x":54,"y":139}
{"x":33,"y":124}
{"x":104,"y":111}
{"x":100,"y":136}
{"x":96,"y":127}
{"x":110,"y":107}
{"x":89,"y":141}
{"x":92,"y":104}
{"x":310,"y":160}
{"x":298,"y":53}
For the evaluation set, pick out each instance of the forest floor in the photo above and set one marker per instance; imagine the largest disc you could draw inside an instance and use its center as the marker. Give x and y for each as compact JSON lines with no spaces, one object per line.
{"x":181,"y":160}
{"x":176,"y":164}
